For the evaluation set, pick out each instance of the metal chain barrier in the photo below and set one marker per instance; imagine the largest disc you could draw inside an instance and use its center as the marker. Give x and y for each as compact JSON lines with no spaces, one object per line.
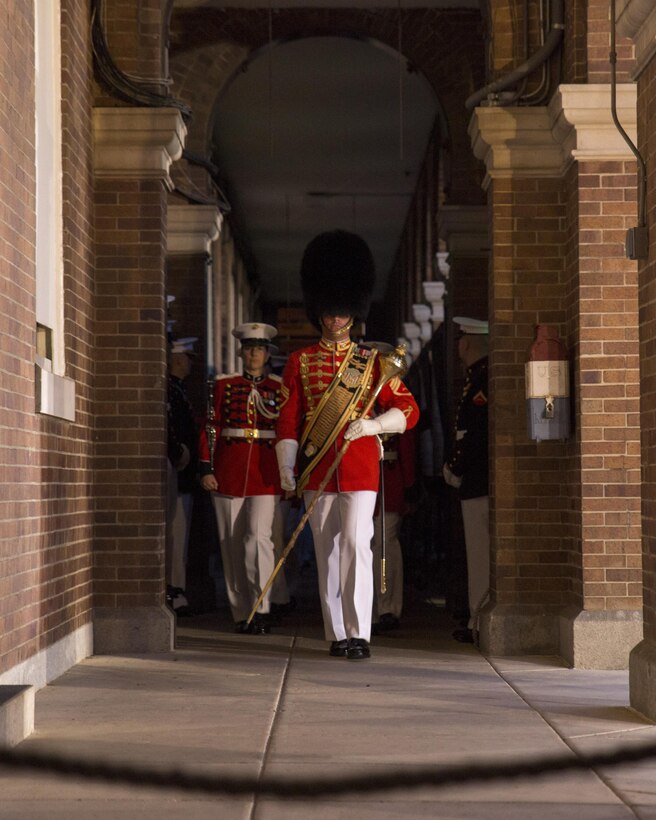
{"x":391,"y":779}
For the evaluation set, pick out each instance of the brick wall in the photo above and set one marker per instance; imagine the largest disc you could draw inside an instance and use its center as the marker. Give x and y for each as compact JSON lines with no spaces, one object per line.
{"x":586,"y":42}
{"x":21,"y":502}
{"x":647,"y":296}
{"x":607,"y":388}
{"x":130,"y":392}
{"x":134,"y":33}
{"x":528,"y":494}
{"x":45,"y":462}
{"x":130,"y":396}
{"x":69,"y":447}
{"x":598,"y":46}
{"x":574,"y":62}
{"x":566,"y":515}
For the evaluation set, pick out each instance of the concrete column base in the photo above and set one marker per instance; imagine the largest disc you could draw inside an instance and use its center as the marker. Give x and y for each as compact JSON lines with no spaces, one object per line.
{"x":16,"y":714}
{"x":133,"y":630}
{"x":512,"y":629}
{"x":599,"y":639}
{"x":642,"y":678}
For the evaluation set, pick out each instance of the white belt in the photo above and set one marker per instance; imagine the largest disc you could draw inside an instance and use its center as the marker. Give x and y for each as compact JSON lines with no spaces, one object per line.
{"x":247,"y":432}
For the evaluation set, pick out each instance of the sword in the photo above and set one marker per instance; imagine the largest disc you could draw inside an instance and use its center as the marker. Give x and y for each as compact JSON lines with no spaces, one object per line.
{"x":391,"y":364}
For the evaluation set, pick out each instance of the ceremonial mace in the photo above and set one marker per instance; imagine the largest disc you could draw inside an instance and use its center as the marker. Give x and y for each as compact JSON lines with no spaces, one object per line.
{"x":391,"y":364}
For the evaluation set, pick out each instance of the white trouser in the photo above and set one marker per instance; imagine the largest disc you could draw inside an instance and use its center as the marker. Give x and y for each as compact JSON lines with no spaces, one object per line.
{"x":390,"y":601}
{"x":178,"y":525}
{"x":244,"y":527}
{"x":180,"y":542}
{"x":476,"y":521}
{"x":171,"y":500}
{"x":342,"y":527}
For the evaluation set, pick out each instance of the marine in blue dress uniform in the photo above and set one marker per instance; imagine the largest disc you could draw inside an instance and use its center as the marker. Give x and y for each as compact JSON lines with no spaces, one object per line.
{"x":467,"y":467}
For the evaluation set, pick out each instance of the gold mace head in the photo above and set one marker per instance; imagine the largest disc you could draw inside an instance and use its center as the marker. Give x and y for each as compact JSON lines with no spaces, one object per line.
{"x":393,"y":363}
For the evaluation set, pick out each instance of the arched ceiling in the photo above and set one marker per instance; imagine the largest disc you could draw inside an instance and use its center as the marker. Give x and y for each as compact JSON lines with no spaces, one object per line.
{"x":317,"y":134}
{"x":318,"y":131}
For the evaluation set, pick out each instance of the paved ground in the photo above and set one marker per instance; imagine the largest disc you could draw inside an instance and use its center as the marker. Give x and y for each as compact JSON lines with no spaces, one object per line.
{"x":278,"y":705}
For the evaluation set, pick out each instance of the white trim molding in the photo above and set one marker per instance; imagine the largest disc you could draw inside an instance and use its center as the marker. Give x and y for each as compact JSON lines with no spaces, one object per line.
{"x":137,"y":143}
{"x":582,"y":122}
{"x":544,"y":141}
{"x":50,"y":663}
{"x":55,"y":394}
{"x":514,"y":142}
{"x":192,"y":228}
{"x":464,"y":229}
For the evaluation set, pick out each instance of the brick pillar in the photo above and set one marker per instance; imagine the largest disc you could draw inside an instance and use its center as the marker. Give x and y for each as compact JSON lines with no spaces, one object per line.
{"x":133,"y":150}
{"x":564,"y":532}
{"x":604,"y":620}
{"x":638,"y":21}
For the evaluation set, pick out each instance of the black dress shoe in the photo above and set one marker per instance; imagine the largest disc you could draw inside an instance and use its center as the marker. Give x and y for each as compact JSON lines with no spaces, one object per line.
{"x":243,"y":627}
{"x":261,"y":624}
{"x":357,"y":649}
{"x":464,"y":635}
{"x":184,"y":611}
{"x":388,"y":622}
{"x":283,"y":609}
{"x":279,"y":611}
{"x":338,"y":649}
{"x":176,"y":599}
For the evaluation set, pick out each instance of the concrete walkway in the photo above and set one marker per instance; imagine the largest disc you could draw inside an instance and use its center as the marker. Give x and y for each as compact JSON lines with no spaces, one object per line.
{"x":278,"y":705}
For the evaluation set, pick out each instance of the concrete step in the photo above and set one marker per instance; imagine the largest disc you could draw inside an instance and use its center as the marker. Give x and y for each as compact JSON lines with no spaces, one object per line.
{"x":16,"y":713}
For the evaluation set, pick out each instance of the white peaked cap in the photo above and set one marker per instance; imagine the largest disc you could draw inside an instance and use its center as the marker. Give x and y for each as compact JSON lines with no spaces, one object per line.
{"x":185,"y":345}
{"x":473,"y":327}
{"x":255,"y":331}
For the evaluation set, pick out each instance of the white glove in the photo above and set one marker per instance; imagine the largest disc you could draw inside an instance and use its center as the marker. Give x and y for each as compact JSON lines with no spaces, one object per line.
{"x":451,"y":479}
{"x":286,"y":450}
{"x":392,"y":421}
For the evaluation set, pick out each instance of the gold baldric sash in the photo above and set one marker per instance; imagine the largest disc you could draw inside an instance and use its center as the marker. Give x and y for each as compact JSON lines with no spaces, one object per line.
{"x":334,"y":410}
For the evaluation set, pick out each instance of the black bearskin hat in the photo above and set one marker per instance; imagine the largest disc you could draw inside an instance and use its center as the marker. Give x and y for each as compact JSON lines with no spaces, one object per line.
{"x":337,"y":276}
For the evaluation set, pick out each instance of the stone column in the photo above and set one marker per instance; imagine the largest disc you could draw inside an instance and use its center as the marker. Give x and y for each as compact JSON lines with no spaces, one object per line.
{"x":133,"y":152}
{"x":217,"y":305}
{"x":230,"y":305}
{"x":464,"y":230}
{"x":192,"y":229}
{"x":563,"y":514}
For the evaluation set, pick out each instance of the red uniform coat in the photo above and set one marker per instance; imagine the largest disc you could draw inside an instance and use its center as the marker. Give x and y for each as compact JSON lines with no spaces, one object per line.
{"x":307,"y":375}
{"x":243,"y":466}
